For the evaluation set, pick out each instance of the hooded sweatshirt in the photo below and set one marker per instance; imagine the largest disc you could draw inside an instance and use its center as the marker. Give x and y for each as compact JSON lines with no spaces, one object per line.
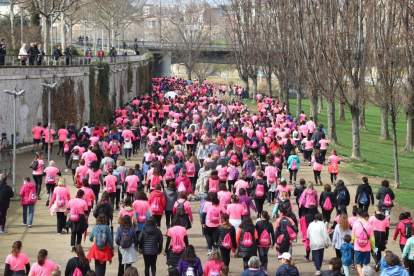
{"x":394,"y":271}
{"x":153,"y":195}
{"x":170,"y":198}
{"x":6,"y":192}
{"x":400,"y":229}
{"x":286,"y":270}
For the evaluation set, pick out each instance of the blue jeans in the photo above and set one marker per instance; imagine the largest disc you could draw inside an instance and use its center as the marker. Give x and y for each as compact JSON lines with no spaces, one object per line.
{"x":31,"y":213}
{"x":128,"y":153}
{"x":317,"y":256}
{"x":115,"y":157}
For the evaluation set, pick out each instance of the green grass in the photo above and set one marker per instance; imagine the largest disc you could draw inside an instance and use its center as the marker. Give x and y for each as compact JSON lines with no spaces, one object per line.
{"x":377,"y":154}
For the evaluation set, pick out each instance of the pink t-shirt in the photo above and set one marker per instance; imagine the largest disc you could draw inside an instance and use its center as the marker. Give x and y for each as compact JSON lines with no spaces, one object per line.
{"x":37,"y":132}
{"x":140,"y":206}
{"x":44,"y":270}
{"x":51,"y":173}
{"x":78,"y":203}
{"x":379,"y":225}
{"x":39,"y":171}
{"x":89,"y":196}
{"x":356,"y":231}
{"x":175,"y":231}
{"x":81,"y":171}
{"x":17,"y":263}
{"x":62,"y":133}
{"x":235,"y":211}
{"x":323,"y":144}
{"x":207,"y":209}
{"x":132,"y":183}
{"x":224,"y":198}
{"x":351,"y":220}
{"x":94,"y":177}
{"x":110,"y":181}
{"x":212,"y":264}
{"x":89,"y":157}
{"x":282,"y":189}
{"x":240,"y":184}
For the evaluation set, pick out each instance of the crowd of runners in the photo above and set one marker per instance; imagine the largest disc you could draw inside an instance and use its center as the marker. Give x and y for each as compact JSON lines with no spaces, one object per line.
{"x":231,"y":158}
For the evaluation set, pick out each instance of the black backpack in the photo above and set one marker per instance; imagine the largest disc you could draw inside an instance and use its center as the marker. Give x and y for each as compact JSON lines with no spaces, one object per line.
{"x":180,"y":208}
{"x":408,"y":230}
{"x":126,"y":240}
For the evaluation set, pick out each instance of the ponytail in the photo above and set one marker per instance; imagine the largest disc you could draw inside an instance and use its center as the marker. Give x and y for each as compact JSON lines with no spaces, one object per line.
{"x":41,"y":257}
{"x":265,"y":215}
{"x":292,"y":263}
{"x":16,"y":247}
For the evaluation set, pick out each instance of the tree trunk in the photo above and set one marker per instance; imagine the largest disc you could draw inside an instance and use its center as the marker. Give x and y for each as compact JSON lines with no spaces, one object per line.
{"x":298,"y":102}
{"x":341,"y":111}
{"x":281,"y":87}
{"x":394,"y":143}
{"x":362,"y":115}
{"x":409,"y":141}
{"x":62,"y":30}
{"x":48,"y":48}
{"x":385,"y":134}
{"x":12,"y":28}
{"x":313,"y":98}
{"x":269,"y":84}
{"x":189,"y":73}
{"x":320,"y":104}
{"x":331,"y":123}
{"x":356,"y":150}
{"x":254,"y":81}
{"x":286,"y":90}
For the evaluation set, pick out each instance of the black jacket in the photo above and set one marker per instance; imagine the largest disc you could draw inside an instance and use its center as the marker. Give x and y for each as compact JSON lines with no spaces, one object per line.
{"x":73,"y":264}
{"x":106,"y":209}
{"x":266,"y":188}
{"x":348,"y":197}
{"x":222,"y":232}
{"x":259,"y":146}
{"x":6,"y":192}
{"x":298,"y":192}
{"x":325,"y":195}
{"x":150,"y":240}
{"x":382,"y":192}
{"x":245,"y":252}
{"x":331,"y":273}
{"x":364,"y":189}
{"x":265,"y":225}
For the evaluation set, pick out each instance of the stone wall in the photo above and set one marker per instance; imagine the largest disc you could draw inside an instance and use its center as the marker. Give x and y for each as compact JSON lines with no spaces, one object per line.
{"x":70,"y":99}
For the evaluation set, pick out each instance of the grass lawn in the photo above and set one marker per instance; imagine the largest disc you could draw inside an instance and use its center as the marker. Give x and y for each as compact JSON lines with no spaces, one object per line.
{"x":377,"y":154}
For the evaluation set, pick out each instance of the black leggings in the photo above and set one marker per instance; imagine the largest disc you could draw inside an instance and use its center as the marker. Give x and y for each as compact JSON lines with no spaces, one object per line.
{"x":410,"y":265}
{"x":270,"y":197}
{"x":225,"y":255}
{"x":292,"y":173}
{"x":150,"y":261}
{"x":61,"y":221}
{"x":231,"y":184}
{"x":76,"y":238}
{"x":168,"y":218}
{"x":363,"y":207}
{"x":211,"y":236}
{"x":259,"y":205}
{"x":326,"y":215}
{"x":38,"y":182}
{"x":50,"y":188}
{"x":100,"y":269}
{"x":263,"y":251}
{"x":158,"y":219}
{"x":323,"y":153}
{"x":333,"y":177}
{"x":317,"y":175}
{"x":60,"y":147}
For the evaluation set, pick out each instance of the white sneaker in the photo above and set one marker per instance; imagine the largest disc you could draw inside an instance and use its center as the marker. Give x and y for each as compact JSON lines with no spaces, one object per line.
{"x":24,"y":224}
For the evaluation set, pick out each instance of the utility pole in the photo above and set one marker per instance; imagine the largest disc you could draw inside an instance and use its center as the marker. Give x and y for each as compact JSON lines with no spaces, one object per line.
{"x":160,"y":22}
{"x":21,"y":27}
{"x":49,"y":89}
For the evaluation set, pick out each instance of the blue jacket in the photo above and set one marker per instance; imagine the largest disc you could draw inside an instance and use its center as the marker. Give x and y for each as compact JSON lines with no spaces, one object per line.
{"x":253,"y":272}
{"x":394,"y":271}
{"x":102,"y":227}
{"x":346,"y":251}
{"x":132,"y":234}
{"x":287,"y":270}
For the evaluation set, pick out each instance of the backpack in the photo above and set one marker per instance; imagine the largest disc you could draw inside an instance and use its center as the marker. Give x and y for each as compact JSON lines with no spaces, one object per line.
{"x":74,"y":214}
{"x":408,"y":230}
{"x":66,"y":148}
{"x":108,"y":166}
{"x":50,"y":179}
{"x":293,"y":166}
{"x":260,"y":191}
{"x":77,"y":272}
{"x":216,"y":153}
{"x":342,"y":195}
{"x":101,"y":239}
{"x":272,"y":175}
{"x":264,"y":239}
{"x":226,"y":243}
{"x":180,"y":209}
{"x":126,"y":240}
{"x":213,"y":185}
{"x":292,"y":234}
{"x":177,"y":244}
{"x":245,"y":156}
{"x":247,"y":239}
{"x":181,"y":187}
{"x":34,"y":166}
{"x":223,"y":174}
{"x":234,"y":173}
{"x":363,"y":199}
{"x":60,"y":201}
{"x":214,"y":271}
{"x":190,"y":270}
{"x":327,"y":205}
{"x":214,"y":216}
{"x":156,"y":205}
{"x":262,"y":150}
{"x":245,"y":209}
{"x":115,"y":147}
{"x":254,"y":145}
{"x":73,"y":137}
{"x":247,"y":142}
{"x":387,"y":201}
{"x":189,"y":137}
{"x":363,"y":237}
{"x":122,"y":175}
{"x":278,"y":159}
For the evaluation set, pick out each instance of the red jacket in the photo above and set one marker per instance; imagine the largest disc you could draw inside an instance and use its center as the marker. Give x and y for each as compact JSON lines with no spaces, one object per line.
{"x":400,"y":229}
{"x":187,"y":184}
{"x":161,"y":196}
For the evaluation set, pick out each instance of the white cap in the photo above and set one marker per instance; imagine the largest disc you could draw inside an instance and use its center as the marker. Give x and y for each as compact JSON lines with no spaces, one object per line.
{"x":286,"y":256}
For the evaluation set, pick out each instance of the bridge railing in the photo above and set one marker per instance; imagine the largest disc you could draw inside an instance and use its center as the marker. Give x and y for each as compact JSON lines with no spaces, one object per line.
{"x":48,"y":60}
{"x":171,"y":45}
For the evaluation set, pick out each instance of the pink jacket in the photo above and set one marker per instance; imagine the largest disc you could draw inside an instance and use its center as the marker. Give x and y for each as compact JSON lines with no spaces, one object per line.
{"x":26,"y":191}
{"x":187,"y":184}
{"x":400,"y":229}
{"x":64,"y":191}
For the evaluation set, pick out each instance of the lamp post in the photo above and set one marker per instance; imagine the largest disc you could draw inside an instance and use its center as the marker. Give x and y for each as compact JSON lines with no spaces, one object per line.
{"x":21,"y":25}
{"x":15,"y":95}
{"x":49,"y":86}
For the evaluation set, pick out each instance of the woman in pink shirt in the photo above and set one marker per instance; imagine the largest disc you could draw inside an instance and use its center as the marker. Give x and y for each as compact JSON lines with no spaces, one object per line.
{"x":110,"y":183}
{"x":224,"y":195}
{"x":214,"y":264}
{"x":317,"y":161}
{"x":323,"y":143}
{"x":89,"y":196}
{"x":80,"y":173}
{"x":132,"y":183}
{"x":333,"y":161}
{"x":38,"y":173}
{"x":95,"y":180}
{"x":59,"y":203}
{"x":211,"y":219}
{"x":77,"y":208}
{"x":17,"y":263}
{"x":381,"y":227}
{"x":63,"y":134}
{"x":241,"y":183}
{"x":37,"y":135}
{"x":177,"y":240}
{"x":51,"y":178}
{"x":43,"y":266}
{"x":182,"y":209}
{"x":235,"y":212}
{"x":29,"y":198}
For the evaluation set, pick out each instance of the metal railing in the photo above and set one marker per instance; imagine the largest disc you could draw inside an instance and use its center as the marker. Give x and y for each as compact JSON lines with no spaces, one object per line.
{"x":48,"y":60}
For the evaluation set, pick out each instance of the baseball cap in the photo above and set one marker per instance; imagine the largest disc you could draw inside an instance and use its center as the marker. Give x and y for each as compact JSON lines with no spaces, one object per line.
{"x":283,"y":180}
{"x":286,"y":256}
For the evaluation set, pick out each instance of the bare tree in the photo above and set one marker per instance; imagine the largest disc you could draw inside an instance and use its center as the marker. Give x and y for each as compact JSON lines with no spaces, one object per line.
{"x":204,"y":70}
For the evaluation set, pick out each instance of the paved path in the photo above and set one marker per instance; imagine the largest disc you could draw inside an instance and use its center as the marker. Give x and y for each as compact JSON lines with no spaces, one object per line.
{"x":43,"y":234}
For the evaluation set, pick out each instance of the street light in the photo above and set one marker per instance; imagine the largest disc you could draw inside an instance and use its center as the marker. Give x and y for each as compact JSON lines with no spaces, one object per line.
{"x":15,"y":94}
{"x":49,"y":86}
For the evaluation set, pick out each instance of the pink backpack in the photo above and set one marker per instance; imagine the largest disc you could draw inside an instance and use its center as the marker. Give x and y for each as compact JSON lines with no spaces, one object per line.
{"x":115,"y":147}
{"x":213,"y":185}
{"x":66,"y":148}
{"x":226,"y":243}
{"x":363,"y":237}
{"x":259,"y":192}
{"x":141,"y":216}
{"x":263,"y":150}
{"x":387,"y":201}
{"x":214,"y":216}
{"x":178,"y":243}
{"x":60,"y":201}
{"x":272,"y":175}
{"x":156,"y":205}
{"x":245,"y":209}
{"x":74,"y":214}
{"x":110,"y":187}
{"x":278,"y":159}
{"x":223,"y":174}
{"x":169,"y":172}
{"x":247,"y":239}
{"x":264,"y":239}
{"x":245,"y":156}
{"x":108,"y":166}
{"x":292,"y":234}
{"x":254,"y":145}
{"x":293,"y":166}
{"x":77,"y":272}
{"x":327,"y":205}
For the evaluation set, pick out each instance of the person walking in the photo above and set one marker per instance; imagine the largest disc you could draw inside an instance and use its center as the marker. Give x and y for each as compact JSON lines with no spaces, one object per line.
{"x":246,"y":238}
{"x":156,"y":202}
{"x":170,"y":198}
{"x":78,"y":263}
{"x":342,"y":196}
{"x":214,"y":264}
{"x":189,"y":263}
{"x":385,"y":197}
{"x":226,"y":239}
{"x":150,"y":241}
{"x":177,"y":241}
{"x":328,"y":202}
{"x":364,"y":195}
{"x":23,"y":54}
{"x":288,"y":267}
{"x":6,"y":193}
{"x":182,"y":209}
{"x":126,"y":239}
{"x":104,"y":207}
{"x":38,"y":165}
{"x":341,"y":230}
{"x":29,"y":198}
{"x":59,"y":203}
{"x":364,"y":241}
{"x":211,"y":220}
{"x":17,"y":263}
{"x":381,"y":227}
{"x":51,"y":173}
{"x":293,"y":166}
{"x":266,"y":239}
{"x":43,"y":266}
{"x":260,"y":189}
{"x":319,"y":240}
{"x":77,"y":207}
